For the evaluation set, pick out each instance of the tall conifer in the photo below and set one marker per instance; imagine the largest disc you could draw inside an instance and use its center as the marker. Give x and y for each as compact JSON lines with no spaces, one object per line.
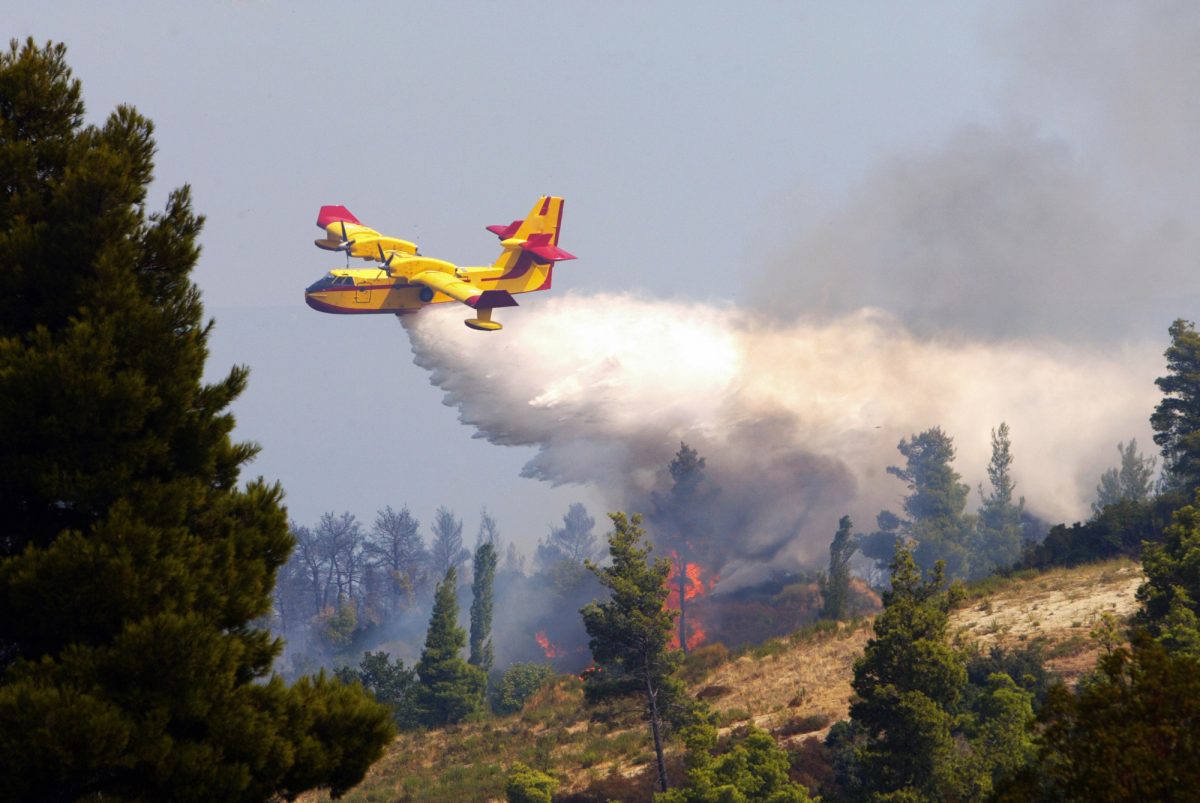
{"x":628,"y":634}
{"x":481,"y":606}
{"x":451,"y":689}
{"x":1176,"y":420}
{"x":132,"y":562}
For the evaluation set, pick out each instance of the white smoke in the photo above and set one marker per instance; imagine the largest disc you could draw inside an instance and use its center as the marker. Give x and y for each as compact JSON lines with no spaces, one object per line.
{"x":797,"y":422}
{"x":1028,"y":270}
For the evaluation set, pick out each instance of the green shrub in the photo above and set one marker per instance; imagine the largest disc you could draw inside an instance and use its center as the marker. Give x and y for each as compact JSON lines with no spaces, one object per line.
{"x":519,"y":683}
{"x":527,"y":785}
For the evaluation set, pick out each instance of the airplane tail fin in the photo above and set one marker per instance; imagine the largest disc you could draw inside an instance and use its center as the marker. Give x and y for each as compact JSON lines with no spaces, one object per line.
{"x":533,"y":240}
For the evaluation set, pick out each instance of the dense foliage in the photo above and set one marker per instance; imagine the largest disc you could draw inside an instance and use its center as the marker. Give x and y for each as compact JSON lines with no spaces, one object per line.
{"x":133,"y":564}
{"x":527,"y":785}
{"x":389,"y":682}
{"x":518,"y":683}
{"x":450,"y":688}
{"x":1131,"y":731}
{"x":918,"y":729}
{"x":754,"y":769}
{"x":1176,"y":420}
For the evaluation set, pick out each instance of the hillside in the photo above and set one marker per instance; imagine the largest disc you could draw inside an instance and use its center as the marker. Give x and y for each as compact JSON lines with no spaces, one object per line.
{"x":796,"y":687}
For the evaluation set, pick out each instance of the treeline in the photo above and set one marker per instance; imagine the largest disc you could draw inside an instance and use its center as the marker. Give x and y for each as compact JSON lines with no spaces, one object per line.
{"x":349,"y":588}
{"x":1133,"y":506}
{"x":932,"y":721}
{"x":442,"y":687}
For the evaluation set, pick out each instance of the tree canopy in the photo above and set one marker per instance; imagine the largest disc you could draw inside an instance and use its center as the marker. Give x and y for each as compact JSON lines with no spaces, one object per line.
{"x":1176,"y":420}
{"x":134,"y":564}
{"x":936,"y":502}
{"x":451,"y":689}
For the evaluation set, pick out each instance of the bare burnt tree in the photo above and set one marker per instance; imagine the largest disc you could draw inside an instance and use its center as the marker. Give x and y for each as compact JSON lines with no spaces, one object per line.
{"x":446,"y":550}
{"x":398,"y":557}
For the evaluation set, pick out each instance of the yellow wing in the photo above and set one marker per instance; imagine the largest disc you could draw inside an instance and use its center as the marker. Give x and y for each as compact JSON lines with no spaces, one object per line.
{"x":449,"y":284}
{"x":344,"y":232}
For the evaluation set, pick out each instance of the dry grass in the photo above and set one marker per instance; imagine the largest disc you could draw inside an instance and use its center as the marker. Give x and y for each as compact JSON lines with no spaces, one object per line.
{"x":805,"y":677}
{"x":1059,"y":608}
{"x":789,"y":685}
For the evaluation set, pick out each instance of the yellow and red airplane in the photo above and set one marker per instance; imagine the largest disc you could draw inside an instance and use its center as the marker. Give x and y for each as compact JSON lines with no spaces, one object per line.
{"x":404,"y":281}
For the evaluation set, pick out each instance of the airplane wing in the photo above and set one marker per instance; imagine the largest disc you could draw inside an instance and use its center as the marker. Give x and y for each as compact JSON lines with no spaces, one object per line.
{"x":465,"y":292}
{"x":344,"y":232}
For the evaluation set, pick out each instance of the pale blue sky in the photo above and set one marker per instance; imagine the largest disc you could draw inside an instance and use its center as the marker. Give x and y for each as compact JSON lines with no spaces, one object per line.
{"x":690,"y":140}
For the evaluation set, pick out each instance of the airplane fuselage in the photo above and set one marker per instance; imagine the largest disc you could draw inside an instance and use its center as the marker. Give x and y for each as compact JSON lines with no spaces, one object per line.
{"x":365,"y":291}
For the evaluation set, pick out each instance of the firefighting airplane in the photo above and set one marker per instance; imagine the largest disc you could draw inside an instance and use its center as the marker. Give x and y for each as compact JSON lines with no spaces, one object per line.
{"x":404,"y":281}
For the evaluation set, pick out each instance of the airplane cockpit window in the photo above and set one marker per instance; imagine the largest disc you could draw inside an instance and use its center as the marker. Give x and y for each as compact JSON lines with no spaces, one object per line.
{"x":325,"y":282}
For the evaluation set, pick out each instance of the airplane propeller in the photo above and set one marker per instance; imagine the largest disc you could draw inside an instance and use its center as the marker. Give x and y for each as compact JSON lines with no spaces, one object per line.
{"x":387,"y":262}
{"x":346,"y":244}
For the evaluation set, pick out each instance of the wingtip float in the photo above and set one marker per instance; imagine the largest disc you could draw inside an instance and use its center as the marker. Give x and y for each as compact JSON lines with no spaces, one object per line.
{"x":403,"y":281}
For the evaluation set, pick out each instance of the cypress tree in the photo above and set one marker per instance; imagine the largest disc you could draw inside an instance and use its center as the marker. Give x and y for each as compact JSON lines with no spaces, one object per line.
{"x":451,"y":689}
{"x":131,"y":561}
{"x":481,"y":607}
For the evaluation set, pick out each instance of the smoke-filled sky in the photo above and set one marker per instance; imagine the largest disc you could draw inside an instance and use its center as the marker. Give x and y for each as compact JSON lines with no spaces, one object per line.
{"x":804,"y":232}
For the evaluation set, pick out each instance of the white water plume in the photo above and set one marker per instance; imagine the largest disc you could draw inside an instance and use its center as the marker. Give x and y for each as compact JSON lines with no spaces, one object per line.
{"x":797,"y":421}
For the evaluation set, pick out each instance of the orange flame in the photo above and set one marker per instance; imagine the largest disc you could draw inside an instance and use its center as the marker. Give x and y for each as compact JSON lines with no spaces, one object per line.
{"x":551,"y":650}
{"x":693,"y":586}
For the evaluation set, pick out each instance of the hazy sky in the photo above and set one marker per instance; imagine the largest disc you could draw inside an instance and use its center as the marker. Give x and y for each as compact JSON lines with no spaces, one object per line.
{"x":993,"y":171}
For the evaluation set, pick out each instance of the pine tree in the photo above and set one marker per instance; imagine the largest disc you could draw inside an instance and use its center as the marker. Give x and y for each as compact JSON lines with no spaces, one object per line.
{"x":935,"y":503}
{"x":909,"y":682}
{"x":484,"y":576}
{"x":1176,"y":420}
{"x":1170,"y":596}
{"x":628,"y":634}
{"x":998,"y":530}
{"x":132,"y":562}
{"x":835,"y":586}
{"x":573,"y":542}
{"x":919,"y":731}
{"x":562,"y":555}
{"x":682,"y":521}
{"x":1132,"y":481}
{"x":451,"y":689}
